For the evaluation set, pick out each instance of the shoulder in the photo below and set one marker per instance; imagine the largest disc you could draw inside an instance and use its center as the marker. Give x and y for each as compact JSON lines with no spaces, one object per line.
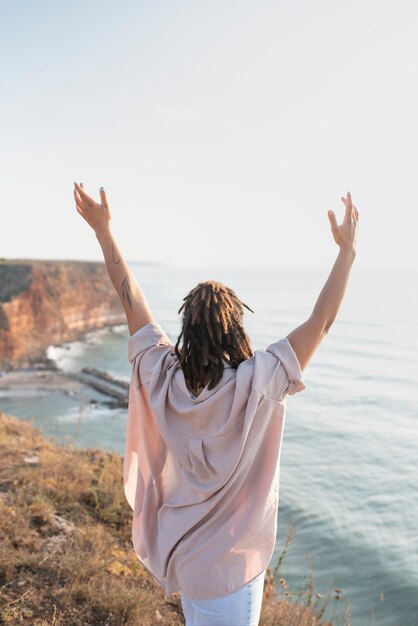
{"x":277,"y":370}
{"x":150,"y":351}
{"x":149,"y":335}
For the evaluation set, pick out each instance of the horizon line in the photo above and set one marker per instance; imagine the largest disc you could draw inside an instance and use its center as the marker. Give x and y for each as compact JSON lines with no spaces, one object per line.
{"x":208,"y":265}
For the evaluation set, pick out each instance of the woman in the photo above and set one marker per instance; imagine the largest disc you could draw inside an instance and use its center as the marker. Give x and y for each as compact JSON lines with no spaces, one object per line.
{"x":204,"y":433}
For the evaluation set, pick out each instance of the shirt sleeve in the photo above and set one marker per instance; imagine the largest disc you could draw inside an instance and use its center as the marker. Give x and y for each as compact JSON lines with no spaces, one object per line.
{"x":147,"y":349}
{"x":290,"y":379}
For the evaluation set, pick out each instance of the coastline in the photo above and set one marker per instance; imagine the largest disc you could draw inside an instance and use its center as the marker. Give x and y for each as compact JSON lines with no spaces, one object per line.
{"x":36,"y":382}
{"x":43,"y":376}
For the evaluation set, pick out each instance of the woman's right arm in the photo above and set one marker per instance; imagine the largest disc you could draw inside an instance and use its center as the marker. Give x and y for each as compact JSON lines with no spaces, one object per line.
{"x":306,"y":338}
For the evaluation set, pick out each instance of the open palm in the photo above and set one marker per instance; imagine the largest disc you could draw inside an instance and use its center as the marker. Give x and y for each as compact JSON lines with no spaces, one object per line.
{"x":96,"y":215}
{"x":345,"y":234}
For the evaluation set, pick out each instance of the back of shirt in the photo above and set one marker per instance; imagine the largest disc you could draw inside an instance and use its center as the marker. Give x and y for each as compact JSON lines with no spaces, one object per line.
{"x":201,"y":474}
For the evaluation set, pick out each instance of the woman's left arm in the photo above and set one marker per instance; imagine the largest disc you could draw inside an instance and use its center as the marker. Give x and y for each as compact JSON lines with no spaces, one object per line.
{"x":133,"y":299}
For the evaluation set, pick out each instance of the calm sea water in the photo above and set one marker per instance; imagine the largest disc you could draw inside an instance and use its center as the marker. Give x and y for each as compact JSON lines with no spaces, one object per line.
{"x":348,"y":466}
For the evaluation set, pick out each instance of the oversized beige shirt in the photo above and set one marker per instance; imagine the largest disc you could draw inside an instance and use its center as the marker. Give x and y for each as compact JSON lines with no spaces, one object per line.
{"x":202,"y":473}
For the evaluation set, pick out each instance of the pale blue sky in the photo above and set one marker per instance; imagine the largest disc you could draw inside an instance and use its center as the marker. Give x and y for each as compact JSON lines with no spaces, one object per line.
{"x":222,"y":131}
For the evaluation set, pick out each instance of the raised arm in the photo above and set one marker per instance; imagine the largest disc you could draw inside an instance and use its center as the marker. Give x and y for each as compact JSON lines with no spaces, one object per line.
{"x":306,"y":338}
{"x":132,"y":297}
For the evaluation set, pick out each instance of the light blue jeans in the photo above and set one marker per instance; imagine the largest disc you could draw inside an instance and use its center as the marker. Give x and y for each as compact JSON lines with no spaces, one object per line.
{"x":241,"y":608}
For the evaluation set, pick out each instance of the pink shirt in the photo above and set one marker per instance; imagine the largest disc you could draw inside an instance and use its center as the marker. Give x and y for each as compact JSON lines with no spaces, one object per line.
{"x":202,"y":473}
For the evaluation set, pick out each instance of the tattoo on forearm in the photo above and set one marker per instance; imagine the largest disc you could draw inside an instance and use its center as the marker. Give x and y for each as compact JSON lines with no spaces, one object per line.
{"x":113,"y":256}
{"x":126,"y":291}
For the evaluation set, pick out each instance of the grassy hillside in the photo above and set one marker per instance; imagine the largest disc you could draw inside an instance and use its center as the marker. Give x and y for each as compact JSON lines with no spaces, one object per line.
{"x":66,"y":557}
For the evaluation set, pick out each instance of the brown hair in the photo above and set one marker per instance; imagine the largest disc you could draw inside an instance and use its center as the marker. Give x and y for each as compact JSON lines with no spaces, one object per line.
{"x":211,"y":326}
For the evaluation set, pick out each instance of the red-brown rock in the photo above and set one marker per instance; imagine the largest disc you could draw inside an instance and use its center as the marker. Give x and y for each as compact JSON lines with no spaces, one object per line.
{"x":50,"y":302}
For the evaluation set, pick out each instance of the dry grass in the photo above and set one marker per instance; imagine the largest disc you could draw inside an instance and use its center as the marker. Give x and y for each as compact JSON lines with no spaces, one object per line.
{"x":66,"y":556}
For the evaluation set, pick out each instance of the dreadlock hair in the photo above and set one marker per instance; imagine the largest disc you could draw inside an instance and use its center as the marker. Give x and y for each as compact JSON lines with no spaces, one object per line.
{"x":211,"y":326}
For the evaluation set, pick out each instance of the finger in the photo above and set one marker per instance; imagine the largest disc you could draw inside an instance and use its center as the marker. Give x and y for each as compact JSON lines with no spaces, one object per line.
{"x":347,"y":204}
{"x":355,"y":211}
{"x":347,"y":212}
{"x":352,"y":210}
{"x":104,"y":202}
{"x":103,"y":198}
{"x":84,"y":196}
{"x":333,"y":220}
{"x":81,"y":208}
{"x":77,"y":198}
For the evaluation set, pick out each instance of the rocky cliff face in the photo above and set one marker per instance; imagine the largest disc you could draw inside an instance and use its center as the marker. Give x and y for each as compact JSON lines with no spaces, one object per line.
{"x":50,"y":302}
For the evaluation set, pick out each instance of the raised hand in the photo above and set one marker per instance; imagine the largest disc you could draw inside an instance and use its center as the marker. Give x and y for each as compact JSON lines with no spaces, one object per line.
{"x":96,"y":215}
{"x":306,"y":338}
{"x":345,"y":234}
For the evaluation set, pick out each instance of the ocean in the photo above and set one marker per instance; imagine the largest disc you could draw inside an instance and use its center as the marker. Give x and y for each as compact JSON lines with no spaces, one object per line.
{"x":348,"y":478}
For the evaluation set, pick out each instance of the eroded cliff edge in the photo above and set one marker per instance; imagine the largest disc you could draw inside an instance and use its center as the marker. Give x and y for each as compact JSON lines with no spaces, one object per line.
{"x":51,"y":302}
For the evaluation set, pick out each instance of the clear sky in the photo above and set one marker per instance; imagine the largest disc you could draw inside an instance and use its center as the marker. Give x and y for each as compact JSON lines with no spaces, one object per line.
{"x":222,"y":131}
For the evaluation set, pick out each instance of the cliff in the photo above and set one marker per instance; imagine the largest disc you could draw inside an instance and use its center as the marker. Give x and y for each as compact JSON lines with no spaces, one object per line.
{"x":66,"y":553}
{"x":51,"y":302}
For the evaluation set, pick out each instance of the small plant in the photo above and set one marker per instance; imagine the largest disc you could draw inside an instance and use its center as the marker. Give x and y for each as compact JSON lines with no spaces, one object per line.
{"x":289,"y":540}
{"x":308,"y":605}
